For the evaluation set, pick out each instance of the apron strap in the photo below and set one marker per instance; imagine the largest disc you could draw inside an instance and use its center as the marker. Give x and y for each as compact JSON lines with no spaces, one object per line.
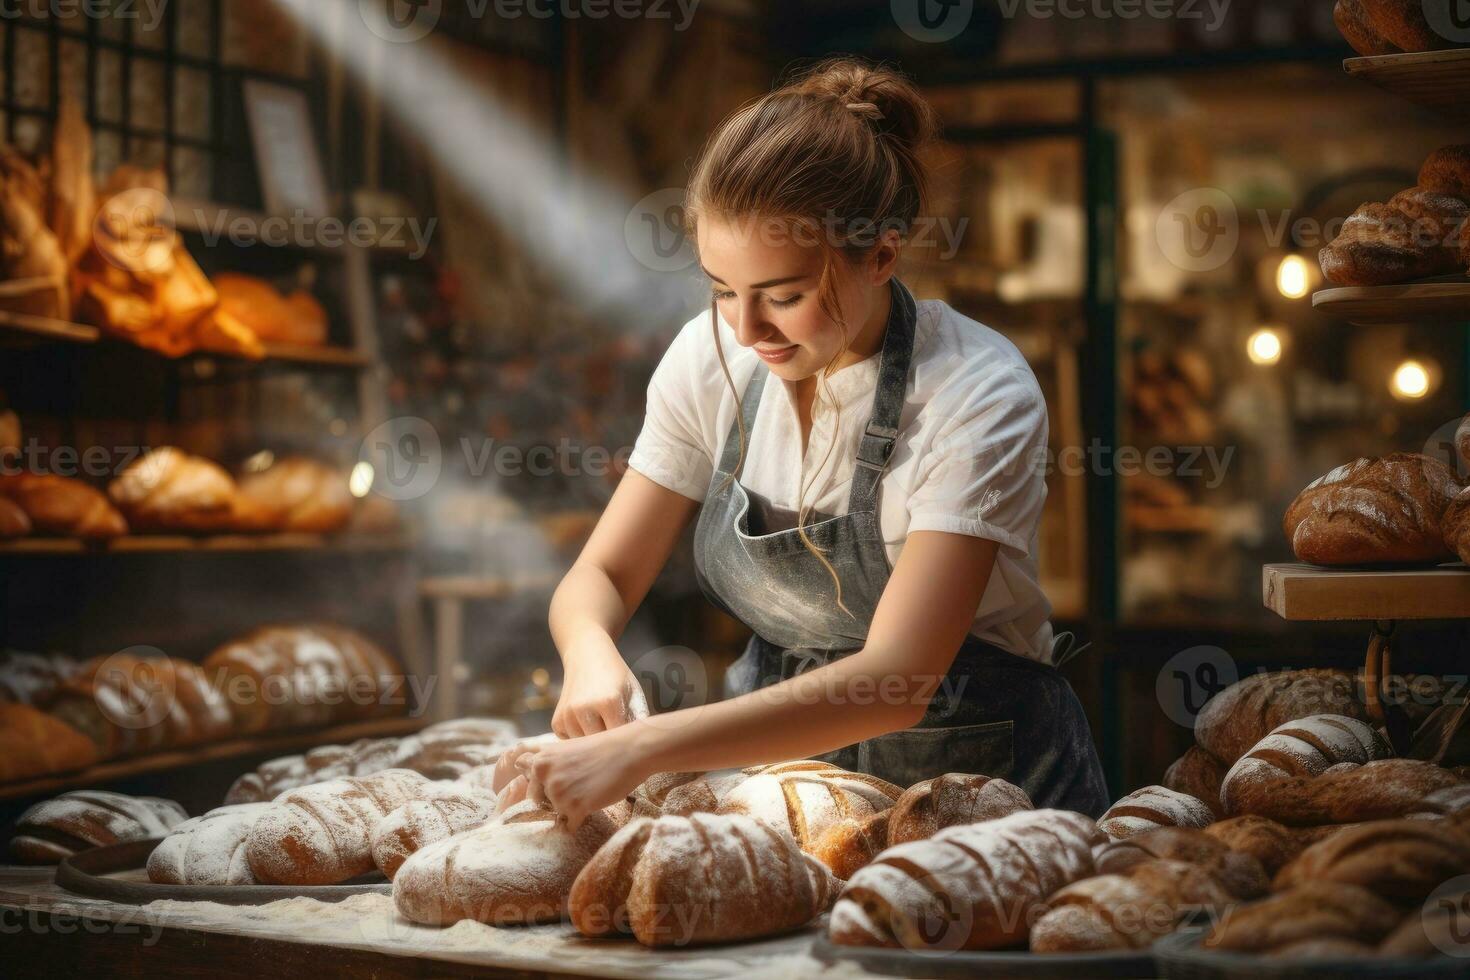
{"x":881,"y":433}
{"x":750,"y":403}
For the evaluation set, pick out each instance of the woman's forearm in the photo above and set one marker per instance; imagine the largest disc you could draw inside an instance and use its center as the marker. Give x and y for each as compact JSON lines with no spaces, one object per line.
{"x":586,"y":602}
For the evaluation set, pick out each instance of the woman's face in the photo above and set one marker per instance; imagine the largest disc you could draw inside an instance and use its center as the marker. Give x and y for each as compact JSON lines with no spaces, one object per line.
{"x":765,"y":286}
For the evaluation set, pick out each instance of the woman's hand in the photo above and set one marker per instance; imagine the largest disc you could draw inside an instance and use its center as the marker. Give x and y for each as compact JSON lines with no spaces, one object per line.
{"x":577,"y":776}
{"x":599,"y":692}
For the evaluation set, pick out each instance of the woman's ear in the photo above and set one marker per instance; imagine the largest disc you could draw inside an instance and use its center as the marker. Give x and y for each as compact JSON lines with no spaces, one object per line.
{"x":883,"y":259}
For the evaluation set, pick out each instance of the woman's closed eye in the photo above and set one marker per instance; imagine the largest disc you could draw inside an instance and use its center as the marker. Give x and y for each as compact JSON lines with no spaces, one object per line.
{"x":725,"y":295}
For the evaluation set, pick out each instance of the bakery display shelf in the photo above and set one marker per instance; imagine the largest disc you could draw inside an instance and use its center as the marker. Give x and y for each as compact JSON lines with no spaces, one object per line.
{"x":1301,"y":592}
{"x":1183,"y":956}
{"x":209,"y":544}
{"x":1445,"y":299}
{"x":42,"y":328}
{"x":283,"y":744}
{"x":1437,"y":80}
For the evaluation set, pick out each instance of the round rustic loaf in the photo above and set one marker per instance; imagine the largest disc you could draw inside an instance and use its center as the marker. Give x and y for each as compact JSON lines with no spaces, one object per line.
{"x":1198,"y":774}
{"x":805,"y":799}
{"x":1234,"y":720}
{"x":928,"y":807}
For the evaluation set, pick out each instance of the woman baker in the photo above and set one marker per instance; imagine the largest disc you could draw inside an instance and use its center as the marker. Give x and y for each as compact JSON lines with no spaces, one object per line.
{"x":867,"y":473}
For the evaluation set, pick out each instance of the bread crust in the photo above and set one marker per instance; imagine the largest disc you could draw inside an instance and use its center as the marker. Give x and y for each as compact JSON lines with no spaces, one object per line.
{"x":1352,"y":22}
{"x":1374,"y":512}
{"x":1316,"y":911}
{"x":1400,"y":860}
{"x":38,"y":744}
{"x":928,"y":807}
{"x":1457,"y":526}
{"x":82,"y":819}
{"x":1152,"y":807}
{"x":1198,"y":774}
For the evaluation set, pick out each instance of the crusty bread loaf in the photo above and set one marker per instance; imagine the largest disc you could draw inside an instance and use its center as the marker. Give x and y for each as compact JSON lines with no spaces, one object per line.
{"x":129,"y":705}
{"x":1447,"y":171}
{"x":83,"y":819}
{"x":1457,"y":526}
{"x":207,"y":850}
{"x":1315,"y":911}
{"x":705,"y":878}
{"x":1373,"y":512}
{"x":1452,"y":801}
{"x":1351,"y":18}
{"x":33,"y":678}
{"x":516,"y":869}
{"x":1399,"y":860}
{"x":418,"y":823}
{"x":805,"y":799}
{"x":1462,"y":434}
{"x":63,"y":506}
{"x":1233,"y":721}
{"x":1198,"y":774}
{"x":1272,"y":844}
{"x":1126,"y":911}
{"x":1304,"y":748}
{"x":972,"y":886}
{"x":300,"y":494}
{"x":37,"y":744}
{"x":1374,"y":791}
{"x":851,"y":843}
{"x":1437,"y":929}
{"x":323,"y":834}
{"x":1238,"y":872}
{"x":171,"y":490}
{"x":1153,"y":807}
{"x":928,"y":807}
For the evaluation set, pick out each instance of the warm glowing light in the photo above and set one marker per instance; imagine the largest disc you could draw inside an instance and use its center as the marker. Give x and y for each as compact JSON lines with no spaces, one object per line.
{"x":1264,"y":346}
{"x":260,"y":462}
{"x":1294,"y":277}
{"x":1410,"y":381}
{"x":361,"y":480}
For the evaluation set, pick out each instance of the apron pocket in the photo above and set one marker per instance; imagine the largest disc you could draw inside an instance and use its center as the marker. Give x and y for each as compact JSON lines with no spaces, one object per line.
{"x":907,"y":757}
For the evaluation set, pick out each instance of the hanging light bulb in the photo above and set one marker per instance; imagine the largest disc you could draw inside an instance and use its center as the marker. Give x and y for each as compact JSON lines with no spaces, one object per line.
{"x":361,"y":479}
{"x":1264,"y":346}
{"x":1411,"y":381}
{"x":1293,"y":277}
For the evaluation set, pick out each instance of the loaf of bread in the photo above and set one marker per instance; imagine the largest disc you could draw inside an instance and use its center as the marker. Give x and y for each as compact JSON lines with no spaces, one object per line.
{"x":1126,"y":911}
{"x":1233,"y":721}
{"x":1272,"y":844}
{"x":1238,"y":872}
{"x":1317,"y":911}
{"x":928,"y":807}
{"x":297,"y":319}
{"x":516,"y":869}
{"x":1373,"y":512}
{"x":1457,"y":526}
{"x":972,"y":886}
{"x":419,"y":823}
{"x":80,"y":820}
{"x":33,"y":678}
{"x":1447,"y":171}
{"x":1377,"y":27}
{"x":323,"y":834}
{"x":1399,"y":860}
{"x":805,"y":799}
{"x":1462,"y":444}
{"x":300,"y":494}
{"x":14,"y":522}
{"x":171,"y":490}
{"x":1303,"y":748}
{"x":38,"y":744}
{"x":63,"y":506}
{"x":207,"y":850}
{"x":1437,"y":929}
{"x":705,"y":878}
{"x":1452,"y":802}
{"x":1351,"y":18}
{"x":129,"y":705}
{"x":1198,"y":774}
{"x":851,"y":843}
{"x":1350,"y":794}
{"x":1153,"y":807}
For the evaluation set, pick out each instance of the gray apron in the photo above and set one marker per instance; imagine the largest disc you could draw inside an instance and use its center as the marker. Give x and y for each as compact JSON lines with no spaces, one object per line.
{"x":995,"y":713}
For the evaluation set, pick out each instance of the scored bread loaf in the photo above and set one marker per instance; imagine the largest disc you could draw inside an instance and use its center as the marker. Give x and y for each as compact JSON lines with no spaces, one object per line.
{"x":323,"y":834}
{"x":63,"y":506}
{"x":1150,"y":808}
{"x":1241,"y":874}
{"x":170,"y":490}
{"x":38,"y":744}
{"x":972,"y":886}
{"x":1233,"y":721}
{"x":299,"y":494}
{"x":1350,"y":794}
{"x":1304,"y":748}
{"x":516,"y":869}
{"x":850,"y":843}
{"x":128,"y":704}
{"x":33,"y":678}
{"x":704,"y":878}
{"x":418,"y":823}
{"x":1272,"y":844}
{"x":1314,"y":911}
{"x":1126,"y":911}
{"x":1198,"y":774}
{"x":1399,"y":860}
{"x":928,"y":807}
{"x":1374,"y":512}
{"x":82,"y":819}
{"x":207,"y":850}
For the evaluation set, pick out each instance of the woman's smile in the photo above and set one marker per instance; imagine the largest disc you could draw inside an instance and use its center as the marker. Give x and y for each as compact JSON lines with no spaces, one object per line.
{"x":776,"y":355}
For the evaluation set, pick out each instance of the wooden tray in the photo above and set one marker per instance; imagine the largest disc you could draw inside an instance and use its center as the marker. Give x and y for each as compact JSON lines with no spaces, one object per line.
{"x":90,"y":873}
{"x":1308,"y":592}
{"x":1179,"y":957}
{"x":941,"y":966}
{"x":1437,"y":80}
{"x":1442,"y":300}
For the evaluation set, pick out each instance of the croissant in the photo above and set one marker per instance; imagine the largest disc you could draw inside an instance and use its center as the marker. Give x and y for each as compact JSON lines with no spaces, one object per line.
{"x":207,"y":850}
{"x":1150,"y":808}
{"x":675,"y":881}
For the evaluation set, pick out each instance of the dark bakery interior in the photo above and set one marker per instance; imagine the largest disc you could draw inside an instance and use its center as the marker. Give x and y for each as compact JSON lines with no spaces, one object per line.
{"x":329,"y":330}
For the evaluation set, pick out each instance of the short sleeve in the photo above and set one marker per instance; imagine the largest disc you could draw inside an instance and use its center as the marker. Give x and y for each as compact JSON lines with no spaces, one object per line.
{"x":985,"y":474}
{"x":673,"y":449}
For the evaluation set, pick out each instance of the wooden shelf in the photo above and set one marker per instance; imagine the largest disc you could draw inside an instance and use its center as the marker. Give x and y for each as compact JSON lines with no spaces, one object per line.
{"x":210,"y":544}
{"x":1437,"y":80}
{"x":1310,"y":593}
{"x":1446,"y":300}
{"x":283,"y":744}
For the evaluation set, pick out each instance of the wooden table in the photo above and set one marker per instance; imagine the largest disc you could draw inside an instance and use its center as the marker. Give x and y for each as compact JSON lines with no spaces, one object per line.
{"x":50,"y":932}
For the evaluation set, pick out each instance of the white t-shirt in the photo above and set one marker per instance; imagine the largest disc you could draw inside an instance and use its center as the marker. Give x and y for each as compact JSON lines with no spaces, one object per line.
{"x":970,"y":455}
